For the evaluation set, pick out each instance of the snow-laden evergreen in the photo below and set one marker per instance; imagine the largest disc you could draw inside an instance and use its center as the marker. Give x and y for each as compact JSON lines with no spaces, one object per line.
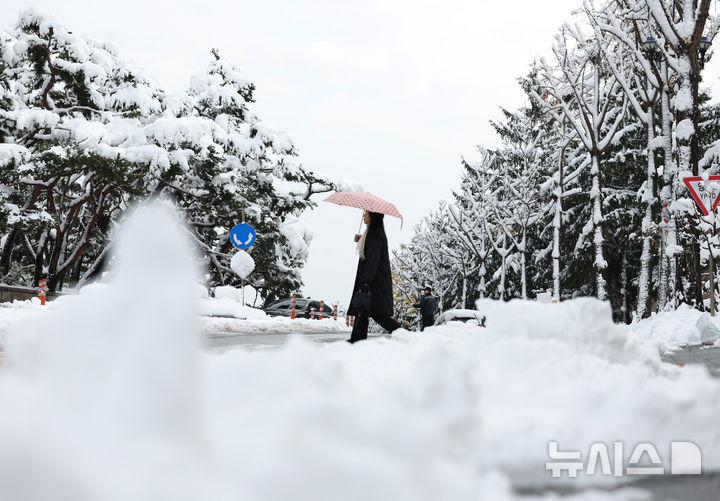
{"x":570,"y":202}
{"x":84,"y":135}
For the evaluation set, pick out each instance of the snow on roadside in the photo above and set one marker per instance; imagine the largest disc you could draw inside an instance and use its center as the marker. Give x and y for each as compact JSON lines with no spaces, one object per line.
{"x":218,"y":317}
{"x":221,"y":327}
{"x":17,"y":312}
{"x":671,"y":329}
{"x":12,"y":313}
{"x":227,"y":307}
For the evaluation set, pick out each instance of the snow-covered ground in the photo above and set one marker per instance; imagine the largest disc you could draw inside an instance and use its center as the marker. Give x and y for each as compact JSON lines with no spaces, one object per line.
{"x":107,"y":396}
{"x":225,"y":315}
{"x":670,"y":330}
{"x":219,"y":316}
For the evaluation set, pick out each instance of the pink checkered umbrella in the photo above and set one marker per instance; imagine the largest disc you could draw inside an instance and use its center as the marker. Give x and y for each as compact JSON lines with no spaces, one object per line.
{"x":364,"y":200}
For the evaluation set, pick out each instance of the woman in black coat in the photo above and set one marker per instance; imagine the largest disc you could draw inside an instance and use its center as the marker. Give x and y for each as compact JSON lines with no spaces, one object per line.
{"x":373,"y":275}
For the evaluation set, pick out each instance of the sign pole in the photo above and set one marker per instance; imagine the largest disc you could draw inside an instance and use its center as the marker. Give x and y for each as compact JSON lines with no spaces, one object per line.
{"x":706,"y":192}
{"x":711,"y":265}
{"x":242,"y":236}
{"x":243,"y":280}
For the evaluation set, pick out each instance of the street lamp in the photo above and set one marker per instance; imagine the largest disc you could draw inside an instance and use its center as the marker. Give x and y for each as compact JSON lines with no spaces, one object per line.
{"x":703,"y":46}
{"x":650,"y":46}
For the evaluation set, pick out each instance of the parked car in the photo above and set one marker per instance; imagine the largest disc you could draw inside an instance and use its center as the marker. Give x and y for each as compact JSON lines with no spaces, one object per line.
{"x":472,"y":317}
{"x":303,"y":308}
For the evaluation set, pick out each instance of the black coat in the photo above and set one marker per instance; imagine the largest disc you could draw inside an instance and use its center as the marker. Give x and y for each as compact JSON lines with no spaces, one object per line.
{"x":375,"y":271}
{"x":427,"y":305}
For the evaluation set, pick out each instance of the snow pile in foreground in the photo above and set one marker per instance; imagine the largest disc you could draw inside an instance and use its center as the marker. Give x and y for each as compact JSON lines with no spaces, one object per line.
{"x":16,"y":312}
{"x":113,"y":400}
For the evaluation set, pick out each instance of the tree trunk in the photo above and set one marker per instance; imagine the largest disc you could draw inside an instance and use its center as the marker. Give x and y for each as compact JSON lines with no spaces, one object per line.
{"x":624,"y":309}
{"x":464,"y":291}
{"x":686,"y":102}
{"x":77,"y":267}
{"x":501,"y":289}
{"x":6,"y":253}
{"x":670,"y":173}
{"x":95,"y":269}
{"x":39,"y":272}
{"x":524,"y":275}
{"x":663,"y":271}
{"x":482,"y":288}
{"x":647,"y":224}
{"x":598,"y":224}
{"x":557,"y":222}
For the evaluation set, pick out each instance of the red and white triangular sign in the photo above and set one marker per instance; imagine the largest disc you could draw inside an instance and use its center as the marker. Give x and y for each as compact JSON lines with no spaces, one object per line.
{"x":705,"y":192}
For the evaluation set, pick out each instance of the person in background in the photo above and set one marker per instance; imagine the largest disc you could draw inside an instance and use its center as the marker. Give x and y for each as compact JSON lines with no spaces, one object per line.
{"x":427,"y":307}
{"x":373,"y":276}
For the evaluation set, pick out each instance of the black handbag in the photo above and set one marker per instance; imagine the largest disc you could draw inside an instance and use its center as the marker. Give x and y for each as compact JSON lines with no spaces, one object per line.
{"x":360,"y":301}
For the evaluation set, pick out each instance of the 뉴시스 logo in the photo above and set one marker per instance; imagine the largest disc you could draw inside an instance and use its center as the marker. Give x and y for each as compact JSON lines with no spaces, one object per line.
{"x":685,"y":459}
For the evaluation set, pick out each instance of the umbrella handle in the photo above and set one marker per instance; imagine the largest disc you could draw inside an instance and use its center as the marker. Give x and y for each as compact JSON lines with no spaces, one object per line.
{"x":362,"y":220}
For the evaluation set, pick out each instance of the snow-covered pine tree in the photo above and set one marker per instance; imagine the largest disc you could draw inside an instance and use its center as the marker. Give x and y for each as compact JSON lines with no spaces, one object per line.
{"x":62,"y":96}
{"x":520,"y":160}
{"x":468,"y":213}
{"x":83,"y":135}
{"x":427,"y":260}
{"x":240,"y":181}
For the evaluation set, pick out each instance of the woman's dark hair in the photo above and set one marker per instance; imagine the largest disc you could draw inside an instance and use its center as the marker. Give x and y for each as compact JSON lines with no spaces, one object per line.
{"x":377,"y":221}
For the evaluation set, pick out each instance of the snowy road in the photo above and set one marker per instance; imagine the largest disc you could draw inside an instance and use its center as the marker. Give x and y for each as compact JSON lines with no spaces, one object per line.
{"x":667,"y":488}
{"x":708,"y":355}
{"x":222,"y":341}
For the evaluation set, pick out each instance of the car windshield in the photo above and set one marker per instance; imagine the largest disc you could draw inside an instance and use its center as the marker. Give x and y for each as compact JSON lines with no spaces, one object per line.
{"x":285,"y":304}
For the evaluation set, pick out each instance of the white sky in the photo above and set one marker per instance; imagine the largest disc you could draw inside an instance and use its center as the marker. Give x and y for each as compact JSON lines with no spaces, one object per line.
{"x":386,"y":93}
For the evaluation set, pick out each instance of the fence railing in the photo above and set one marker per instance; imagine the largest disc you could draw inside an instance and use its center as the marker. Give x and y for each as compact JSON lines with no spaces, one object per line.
{"x":10,"y":293}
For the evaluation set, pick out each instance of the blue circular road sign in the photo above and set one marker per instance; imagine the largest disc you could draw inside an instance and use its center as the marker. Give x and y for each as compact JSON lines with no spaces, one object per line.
{"x":242,"y":236}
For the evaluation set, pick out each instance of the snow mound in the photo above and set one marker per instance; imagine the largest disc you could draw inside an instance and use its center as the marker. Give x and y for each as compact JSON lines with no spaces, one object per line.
{"x":228,"y":292}
{"x":109,"y":378}
{"x":669,"y":330}
{"x":225,"y":306}
{"x":585,"y":324}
